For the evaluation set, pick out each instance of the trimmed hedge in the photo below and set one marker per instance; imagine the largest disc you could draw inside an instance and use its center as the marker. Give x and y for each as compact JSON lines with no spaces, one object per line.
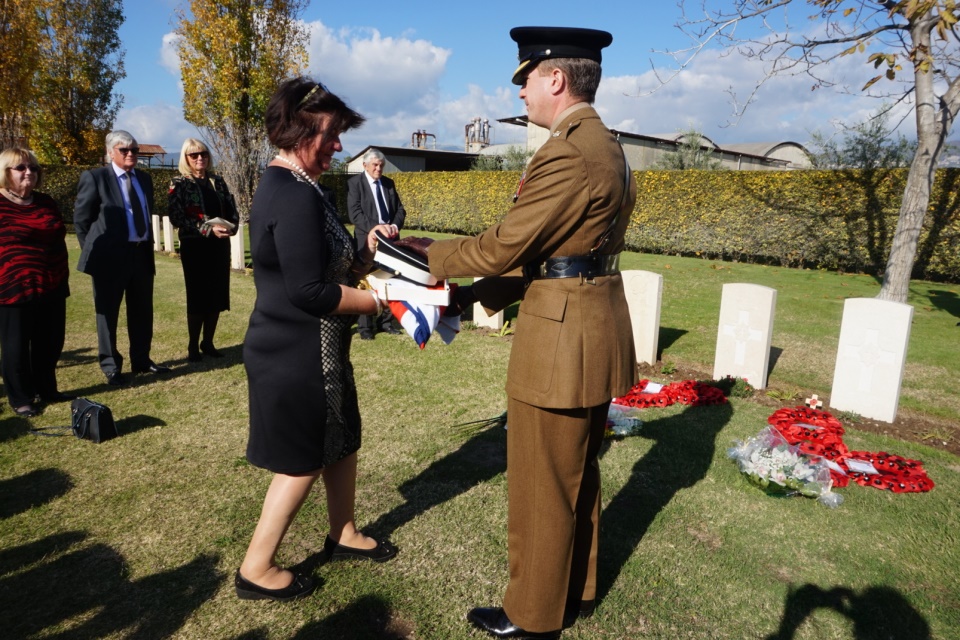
{"x":837,"y":220}
{"x":61,"y":183}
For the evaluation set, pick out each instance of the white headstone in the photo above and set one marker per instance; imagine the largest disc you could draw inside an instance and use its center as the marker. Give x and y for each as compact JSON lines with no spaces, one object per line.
{"x":871,"y":357}
{"x":481,"y":319}
{"x":237,"y":250}
{"x":167,"y":235}
{"x":155,"y":223}
{"x":745,"y":332}
{"x":644,"y":291}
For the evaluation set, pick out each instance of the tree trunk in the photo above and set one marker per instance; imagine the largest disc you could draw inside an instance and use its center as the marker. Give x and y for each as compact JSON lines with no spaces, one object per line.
{"x":913,"y":209}
{"x":934,"y":121}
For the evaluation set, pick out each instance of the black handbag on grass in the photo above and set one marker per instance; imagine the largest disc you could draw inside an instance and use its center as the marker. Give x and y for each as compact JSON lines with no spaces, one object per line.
{"x":92,"y":421}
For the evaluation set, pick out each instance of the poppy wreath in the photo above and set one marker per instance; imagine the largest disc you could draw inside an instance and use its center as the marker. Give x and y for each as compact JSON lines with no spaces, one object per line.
{"x":816,"y":433}
{"x":897,"y":474}
{"x":819,"y":433}
{"x":690,"y":392}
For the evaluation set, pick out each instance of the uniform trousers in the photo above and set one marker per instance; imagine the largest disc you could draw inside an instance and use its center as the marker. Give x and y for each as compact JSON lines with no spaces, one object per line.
{"x":553,"y":482}
{"x":31,"y":341}
{"x":130,"y":278}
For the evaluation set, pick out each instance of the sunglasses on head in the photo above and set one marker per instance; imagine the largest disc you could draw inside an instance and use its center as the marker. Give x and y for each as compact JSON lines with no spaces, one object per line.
{"x":125,"y":150}
{"x":24,"y":167}
{"x":198,"y":154}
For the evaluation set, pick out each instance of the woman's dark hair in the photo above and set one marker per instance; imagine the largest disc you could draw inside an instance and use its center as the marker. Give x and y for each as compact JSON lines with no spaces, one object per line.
{"x":292,"y":114}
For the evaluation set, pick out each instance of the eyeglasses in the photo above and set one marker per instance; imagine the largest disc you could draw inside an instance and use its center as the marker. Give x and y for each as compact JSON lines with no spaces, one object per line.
{"x":198,"y":154}
{"x":125,"y":150}
{"x":24,"y":167}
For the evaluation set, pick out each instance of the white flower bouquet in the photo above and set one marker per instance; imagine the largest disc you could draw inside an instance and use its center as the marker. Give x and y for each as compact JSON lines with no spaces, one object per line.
{"x":777,"y":467}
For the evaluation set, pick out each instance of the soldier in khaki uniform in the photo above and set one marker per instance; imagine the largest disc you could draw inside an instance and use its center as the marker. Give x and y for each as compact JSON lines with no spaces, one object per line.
{"x":573,"y":349}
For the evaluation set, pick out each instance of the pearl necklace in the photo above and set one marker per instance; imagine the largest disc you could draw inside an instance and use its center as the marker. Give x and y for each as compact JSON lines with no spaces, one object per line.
{"x":303,"y":174}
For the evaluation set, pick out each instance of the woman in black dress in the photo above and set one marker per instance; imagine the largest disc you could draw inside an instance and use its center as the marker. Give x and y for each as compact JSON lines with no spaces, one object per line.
{"x":304,"y":418}
{"x":196,"y":197}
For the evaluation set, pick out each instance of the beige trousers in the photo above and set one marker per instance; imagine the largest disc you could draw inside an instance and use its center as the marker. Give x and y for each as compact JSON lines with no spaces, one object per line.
{"x":553,"y":481}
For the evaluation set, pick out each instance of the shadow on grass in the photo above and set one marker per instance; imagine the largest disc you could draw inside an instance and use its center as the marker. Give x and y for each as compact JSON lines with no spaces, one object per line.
{"x":876,"y":612}
{"x":13,"y":426}
{"x":479,"y":459}
{"x":667,"y":337}
{"x":683,"y":450}
{"x":369,"y":618}
{"x":33,"y":489}
{"x":62,"y":590}
{"x":775,"y":353}
{"x":132,"y":424}
{"x":946,"y":300}
{"x":232,"y":356}
{"x":77,"y":357}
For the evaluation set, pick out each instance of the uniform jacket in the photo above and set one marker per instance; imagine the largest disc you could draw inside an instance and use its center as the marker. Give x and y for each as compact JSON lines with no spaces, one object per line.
{"x":186,"y":209}
{"x":573,"y":345}
{"x":100,"y":218}
{"x":362,"y":206}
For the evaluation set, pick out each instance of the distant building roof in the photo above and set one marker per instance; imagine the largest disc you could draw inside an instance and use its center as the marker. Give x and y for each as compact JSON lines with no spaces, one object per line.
{"x":783,"y":152}
{"x":434,"y":159}
{"x":760,"y":148}
{"x":152,"y":150}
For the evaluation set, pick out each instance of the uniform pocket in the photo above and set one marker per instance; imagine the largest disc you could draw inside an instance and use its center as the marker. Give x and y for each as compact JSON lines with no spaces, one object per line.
{"x":539,"y":323}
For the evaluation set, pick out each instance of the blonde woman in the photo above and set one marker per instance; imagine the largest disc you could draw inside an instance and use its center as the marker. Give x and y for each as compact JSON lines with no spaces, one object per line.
{"x":197,"y":197}
{"x":33,"y":285}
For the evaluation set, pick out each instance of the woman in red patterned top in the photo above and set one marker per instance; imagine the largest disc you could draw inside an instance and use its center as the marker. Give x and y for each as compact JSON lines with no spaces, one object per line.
{"x":33,"y":285}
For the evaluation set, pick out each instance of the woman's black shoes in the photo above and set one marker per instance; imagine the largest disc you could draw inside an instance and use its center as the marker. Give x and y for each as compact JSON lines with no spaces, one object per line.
{"x":380,"y":553}
{"x":210,"y":350}
{"x":194,"y":355}
{"x":27,"y":411}
{"x":301,"y":587}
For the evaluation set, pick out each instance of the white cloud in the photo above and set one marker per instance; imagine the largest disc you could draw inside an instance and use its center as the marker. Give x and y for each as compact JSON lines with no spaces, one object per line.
{"x":157,"y":123}
{"x":169,"y":58}
{"x":785,"y":108}
{"x":377,"y":75}
{"x":395,"y":84}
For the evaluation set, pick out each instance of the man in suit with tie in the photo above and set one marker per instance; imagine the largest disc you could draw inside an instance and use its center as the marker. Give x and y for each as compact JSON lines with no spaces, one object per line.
{"x":112,"y":220}
{"x":371,"y":200}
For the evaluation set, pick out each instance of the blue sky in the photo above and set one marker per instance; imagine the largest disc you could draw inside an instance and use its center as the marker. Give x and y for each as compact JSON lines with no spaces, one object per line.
{"x":411,"y":66}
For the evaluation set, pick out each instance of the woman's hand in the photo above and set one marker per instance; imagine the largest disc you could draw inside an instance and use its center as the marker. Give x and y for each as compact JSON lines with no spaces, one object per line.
{"x":388,"y":230}
{"x":220,"y":231}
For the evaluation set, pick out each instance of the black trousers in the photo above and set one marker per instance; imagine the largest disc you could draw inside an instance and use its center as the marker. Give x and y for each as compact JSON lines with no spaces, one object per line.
{"x":131,"y":278}
{"x":31,"y":341}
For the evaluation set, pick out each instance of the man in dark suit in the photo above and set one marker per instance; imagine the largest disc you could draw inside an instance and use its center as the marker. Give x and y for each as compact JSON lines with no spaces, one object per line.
{"x":112,"y":219}
{"x":573,"y":348}
{"x":371,"y":200}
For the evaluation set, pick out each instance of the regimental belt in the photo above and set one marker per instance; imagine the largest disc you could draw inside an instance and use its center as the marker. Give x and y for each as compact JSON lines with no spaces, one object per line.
{"x":585,"y":267}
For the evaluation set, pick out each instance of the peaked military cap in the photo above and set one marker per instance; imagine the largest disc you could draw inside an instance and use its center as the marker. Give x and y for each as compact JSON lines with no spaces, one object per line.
{"x":540,"y":43}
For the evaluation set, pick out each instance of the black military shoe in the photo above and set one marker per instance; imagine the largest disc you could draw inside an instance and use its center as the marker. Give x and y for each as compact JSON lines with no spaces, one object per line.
{"x":495,"y":622}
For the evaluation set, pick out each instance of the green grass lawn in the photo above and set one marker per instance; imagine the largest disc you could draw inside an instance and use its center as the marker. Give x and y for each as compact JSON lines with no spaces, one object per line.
{"x":139,"y":537}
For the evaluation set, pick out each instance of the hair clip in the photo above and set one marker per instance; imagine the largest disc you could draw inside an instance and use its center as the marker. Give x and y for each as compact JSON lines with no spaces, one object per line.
{"x":320,"y":85}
